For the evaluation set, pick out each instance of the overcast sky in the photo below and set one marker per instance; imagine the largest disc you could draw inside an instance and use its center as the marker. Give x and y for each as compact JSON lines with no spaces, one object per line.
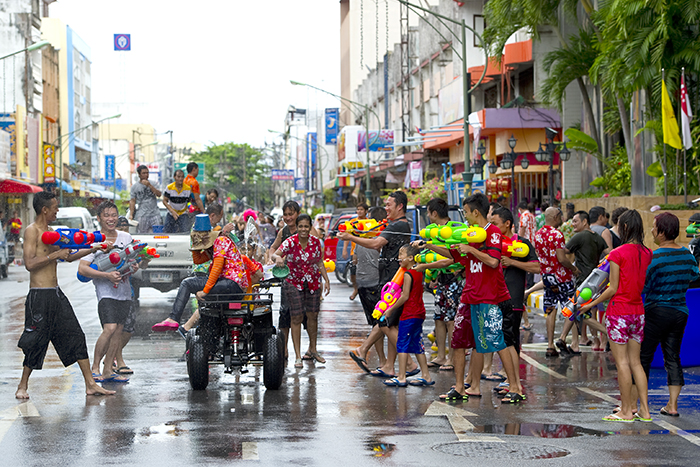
{"x":213,"y":70}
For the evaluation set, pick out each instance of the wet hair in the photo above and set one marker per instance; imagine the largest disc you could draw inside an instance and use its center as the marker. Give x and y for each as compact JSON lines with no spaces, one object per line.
{"x":123,"y":222}
{"x":141,"y":168}
{"x":582,"y":215}
{"x":191,"y":166}
{"x":363,"y":206}
{"x":400,"y":198}
{"x":303,"y":217}
{"x":214,"y":208}
{"x":595,"y":213}
{"x":439,"y":206}
{"x":178,"y":170}
{"x":631,"y":227}
{"x":522,"y":204}
{"x":293,"y":205}
{"x":504,"y":214}
{"x":667,"y":224}
{"x":617,"y":213}
{"x":478,"y":201}
{"x":410,"y":250}
{"x":42,"y":200}
{"x":105,"y":205}
{"x":214,"y":191}
{"x":377,"y":213}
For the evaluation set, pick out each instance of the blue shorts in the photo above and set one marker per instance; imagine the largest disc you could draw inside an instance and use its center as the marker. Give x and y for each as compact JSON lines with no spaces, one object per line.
{"x":410,"y":336}
{"x":487,"y":323}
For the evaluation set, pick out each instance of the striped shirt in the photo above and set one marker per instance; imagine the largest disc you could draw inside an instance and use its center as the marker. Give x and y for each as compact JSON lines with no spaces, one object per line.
{"x":670,"y":273}
{"x":178,"y":199}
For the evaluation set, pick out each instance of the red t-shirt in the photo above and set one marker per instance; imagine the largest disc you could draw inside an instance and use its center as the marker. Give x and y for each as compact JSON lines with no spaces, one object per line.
{"x":633,"y":261}
{"x":484,"y":285}
{"x":414,"y":306}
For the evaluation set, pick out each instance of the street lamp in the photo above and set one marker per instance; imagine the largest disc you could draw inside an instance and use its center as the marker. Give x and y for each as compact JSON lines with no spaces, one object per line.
{"x":547,"y":154}
{"x":508,"y":163}
{"x":368,"y":190}
{"x":60,"y":150}
{"x":35,"y":46}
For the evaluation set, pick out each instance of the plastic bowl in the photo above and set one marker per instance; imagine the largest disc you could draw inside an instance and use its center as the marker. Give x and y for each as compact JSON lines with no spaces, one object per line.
{"x":280,"y":272}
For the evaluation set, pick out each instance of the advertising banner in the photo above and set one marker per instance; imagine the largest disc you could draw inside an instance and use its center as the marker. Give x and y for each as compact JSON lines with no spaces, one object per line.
{"x":380,"y":141}
{"x":299,"y":185}
{"x":331,"y":126}
{"x":281,"y":174}
{"x":109,"y":167}
{"x":49,"y":164}
{"x":312,"y":148}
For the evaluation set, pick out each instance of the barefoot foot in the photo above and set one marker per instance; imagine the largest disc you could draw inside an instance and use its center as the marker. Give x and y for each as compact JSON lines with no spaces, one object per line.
{"x":97,"y":390}
{"x":21,"y":393}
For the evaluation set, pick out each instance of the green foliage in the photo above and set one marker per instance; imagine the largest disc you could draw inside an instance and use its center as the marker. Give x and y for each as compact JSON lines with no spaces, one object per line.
{"x":617,"y":173}
{"x":246,"y":173}
{"x":674,"y":207}
{"x":580,"y":141}
{"x":586,"y":194}
{"x":432,"y":188}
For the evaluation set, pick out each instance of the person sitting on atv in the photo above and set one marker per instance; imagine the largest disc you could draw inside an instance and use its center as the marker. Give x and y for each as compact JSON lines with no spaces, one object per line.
{"x":227,"y":273}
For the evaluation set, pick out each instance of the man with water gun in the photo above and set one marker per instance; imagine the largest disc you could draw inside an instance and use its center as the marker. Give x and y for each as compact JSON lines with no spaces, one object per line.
{"x":113,"y":295}
{"x":396,"y":234}
{"x":484,"y":300}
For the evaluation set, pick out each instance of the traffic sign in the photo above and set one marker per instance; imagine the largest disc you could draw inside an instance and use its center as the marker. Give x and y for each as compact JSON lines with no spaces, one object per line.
{"x":122,"y":42}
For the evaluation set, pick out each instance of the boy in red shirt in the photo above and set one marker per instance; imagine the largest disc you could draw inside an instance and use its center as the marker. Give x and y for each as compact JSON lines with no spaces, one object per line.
{"x":484,"y":298}
{"x":410,"y":337}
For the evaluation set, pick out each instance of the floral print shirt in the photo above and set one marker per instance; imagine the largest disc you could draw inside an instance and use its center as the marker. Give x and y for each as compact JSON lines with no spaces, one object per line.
{"x":234,"y":268}
{"x":528,"y":226}
{"x":547,"y":241}
{"x":303,"y":263}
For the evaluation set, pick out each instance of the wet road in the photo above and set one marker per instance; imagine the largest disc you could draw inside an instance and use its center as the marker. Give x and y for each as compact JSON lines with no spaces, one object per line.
{"x":323,"y":414}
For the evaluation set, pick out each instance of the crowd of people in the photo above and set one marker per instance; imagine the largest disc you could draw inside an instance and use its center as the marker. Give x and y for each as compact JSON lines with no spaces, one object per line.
{"x":480,"y":291}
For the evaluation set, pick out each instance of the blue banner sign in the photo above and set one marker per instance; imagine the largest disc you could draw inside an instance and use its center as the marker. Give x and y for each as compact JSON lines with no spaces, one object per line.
{"x":122,"y":42}
{"x":109,"y":167}
{"x":331,"y":126}
{"x":299,"y":185}
{"x":281,"y":174}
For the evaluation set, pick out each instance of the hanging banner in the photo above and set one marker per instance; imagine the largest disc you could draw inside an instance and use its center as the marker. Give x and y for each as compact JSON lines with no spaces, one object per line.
{"x":380,"y":141}
{"x":49,"y":164}
{"x":281,"y":174}
{"x":109,"y":167}
{"x":331,"y":126}
{"x":299,"y":185}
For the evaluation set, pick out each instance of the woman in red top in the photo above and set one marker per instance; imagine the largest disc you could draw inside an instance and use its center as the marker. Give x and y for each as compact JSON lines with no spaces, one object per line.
{"x":624,"y":318}
{"x":302,"y":288}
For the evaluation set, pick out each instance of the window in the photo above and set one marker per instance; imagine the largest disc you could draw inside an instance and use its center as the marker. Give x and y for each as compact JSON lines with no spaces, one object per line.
{"x":479,"y":26}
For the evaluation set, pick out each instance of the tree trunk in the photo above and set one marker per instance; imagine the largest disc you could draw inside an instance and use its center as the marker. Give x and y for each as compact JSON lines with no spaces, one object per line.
{"x":591,"y":119}
{"x":624,"y":119}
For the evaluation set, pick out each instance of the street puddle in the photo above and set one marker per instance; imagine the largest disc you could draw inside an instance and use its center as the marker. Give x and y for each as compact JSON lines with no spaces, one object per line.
{"x":539,"y":430}
{"x":380,"y":449}
{"x":159,"y":432}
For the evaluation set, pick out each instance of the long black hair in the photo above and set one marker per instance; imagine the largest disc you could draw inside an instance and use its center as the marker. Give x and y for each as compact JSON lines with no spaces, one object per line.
{"x":631,"y":227}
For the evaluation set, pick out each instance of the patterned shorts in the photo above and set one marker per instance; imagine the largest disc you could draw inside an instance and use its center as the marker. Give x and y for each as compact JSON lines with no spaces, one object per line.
{"x":487,"y":323}
{"x":302,"y":301}
{"x":622,"y":328}
{"x":463,"y":336}
{"x":556,"y":292}
{"x":447,"y":300}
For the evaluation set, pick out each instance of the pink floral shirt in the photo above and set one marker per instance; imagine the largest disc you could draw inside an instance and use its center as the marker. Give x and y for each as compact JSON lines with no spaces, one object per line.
{"x":528,"y":226}
{"x":234,"y":268}
{"x":547,"y":241}
{"x":303,"y":263}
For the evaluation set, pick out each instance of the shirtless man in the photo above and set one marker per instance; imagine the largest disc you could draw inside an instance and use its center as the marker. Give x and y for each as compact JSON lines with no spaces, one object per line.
{"x":48,"y":315}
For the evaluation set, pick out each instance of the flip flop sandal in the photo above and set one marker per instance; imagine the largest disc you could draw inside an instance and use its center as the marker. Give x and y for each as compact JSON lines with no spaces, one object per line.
{"x":97,"y":377}
{"x":413,"y":372}
{"x":446,"y":368}
{"x":316,"y":356}
{"x":561,"y":345}
{"x":115,"y":378}
{"x":307,"y":356}
{"x":123,"y":370}
{"x":495,"y":377}
{"x":361,"y":362}
{"x":453,"y":395}
{"x":472,"y":395}
{"x":512,"y":398}
{"x":640,"y":419}
{"x":394,"y":382}
{"x":421,"y":382}
{"x":573,"y":352}
{"x":663,"y":411}
{"x":381,"y":373}
{"x":615,"y":418}
{"x":433,"y":365}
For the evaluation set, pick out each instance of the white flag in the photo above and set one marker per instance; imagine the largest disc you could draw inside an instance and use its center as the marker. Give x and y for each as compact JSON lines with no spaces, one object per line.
{"x":686,"y":115}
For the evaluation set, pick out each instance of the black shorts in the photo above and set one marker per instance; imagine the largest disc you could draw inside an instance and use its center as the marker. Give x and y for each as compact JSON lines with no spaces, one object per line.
{"x":511,"y":324}
{"x":49,"y":317}
{"x":130,"y":323}
{"x":113,"y":311}
{"x":393,"y":319}
{"x":369,"y":296}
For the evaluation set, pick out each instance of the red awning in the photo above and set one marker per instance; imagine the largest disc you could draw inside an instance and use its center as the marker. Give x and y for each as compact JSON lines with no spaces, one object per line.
{"x":15,"y":186}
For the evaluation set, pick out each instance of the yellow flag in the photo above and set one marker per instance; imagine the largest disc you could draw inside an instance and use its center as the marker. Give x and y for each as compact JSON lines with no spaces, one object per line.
{"x":668,"y":119}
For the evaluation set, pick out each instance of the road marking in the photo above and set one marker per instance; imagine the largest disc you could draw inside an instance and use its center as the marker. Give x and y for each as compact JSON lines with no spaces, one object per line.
{"x":663,"y":424}
{"x":8,"y":417}
{"x":249,"y":451}
{"x":540,"y":366}
{"x":460,"y":425}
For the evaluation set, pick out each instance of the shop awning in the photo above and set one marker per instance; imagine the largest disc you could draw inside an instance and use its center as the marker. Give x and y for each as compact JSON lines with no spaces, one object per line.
{"x":17,"y":186}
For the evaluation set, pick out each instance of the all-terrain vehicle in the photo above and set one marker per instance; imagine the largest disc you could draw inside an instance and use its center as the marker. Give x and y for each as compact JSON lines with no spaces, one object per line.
{"x":235,"y":330}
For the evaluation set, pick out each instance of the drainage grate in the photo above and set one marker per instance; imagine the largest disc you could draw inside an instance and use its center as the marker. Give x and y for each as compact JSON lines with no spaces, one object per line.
{"x":490,"y":450}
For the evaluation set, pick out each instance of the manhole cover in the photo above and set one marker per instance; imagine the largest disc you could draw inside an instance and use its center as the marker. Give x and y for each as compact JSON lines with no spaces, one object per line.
{"x":501,"y":450}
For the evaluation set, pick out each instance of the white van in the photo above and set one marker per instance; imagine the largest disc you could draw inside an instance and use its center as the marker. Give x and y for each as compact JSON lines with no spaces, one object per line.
{"x":75,"y":218}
